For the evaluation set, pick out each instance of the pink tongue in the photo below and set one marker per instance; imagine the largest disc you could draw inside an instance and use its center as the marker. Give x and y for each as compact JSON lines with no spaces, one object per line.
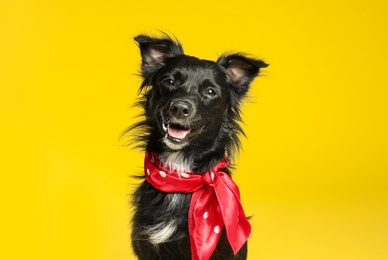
{"x":178,"y":133}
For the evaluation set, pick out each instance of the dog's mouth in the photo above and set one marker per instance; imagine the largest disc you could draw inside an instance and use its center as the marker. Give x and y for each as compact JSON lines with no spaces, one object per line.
{"x":176,"y":132}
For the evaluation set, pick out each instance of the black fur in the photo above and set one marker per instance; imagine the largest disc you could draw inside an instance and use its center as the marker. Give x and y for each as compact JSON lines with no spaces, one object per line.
{"x":191,"y":118}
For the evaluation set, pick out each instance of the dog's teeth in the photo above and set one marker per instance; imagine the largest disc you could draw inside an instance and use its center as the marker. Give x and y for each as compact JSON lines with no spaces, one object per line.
{"x":165,"y":127}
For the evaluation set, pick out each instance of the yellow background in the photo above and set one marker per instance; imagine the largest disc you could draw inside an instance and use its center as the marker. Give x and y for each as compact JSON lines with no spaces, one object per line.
{"x":313,"y":170}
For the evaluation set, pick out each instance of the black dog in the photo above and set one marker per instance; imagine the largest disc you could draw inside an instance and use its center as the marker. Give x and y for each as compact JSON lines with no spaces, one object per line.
{"x":191,"y":125}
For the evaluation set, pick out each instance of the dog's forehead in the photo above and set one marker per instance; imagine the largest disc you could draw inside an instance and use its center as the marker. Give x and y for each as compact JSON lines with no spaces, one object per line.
{"x":195,"y":68}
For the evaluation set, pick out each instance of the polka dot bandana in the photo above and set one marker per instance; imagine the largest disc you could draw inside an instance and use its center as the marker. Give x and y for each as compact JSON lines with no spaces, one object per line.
{"x":215,"y":204}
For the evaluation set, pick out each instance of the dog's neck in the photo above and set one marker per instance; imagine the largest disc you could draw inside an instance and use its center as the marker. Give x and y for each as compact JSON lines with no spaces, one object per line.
{"x":177,"y":161}
{"x":180,"y":161}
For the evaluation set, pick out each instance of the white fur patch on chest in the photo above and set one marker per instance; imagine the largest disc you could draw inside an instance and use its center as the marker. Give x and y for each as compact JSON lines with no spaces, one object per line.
{"x":162,"y":232}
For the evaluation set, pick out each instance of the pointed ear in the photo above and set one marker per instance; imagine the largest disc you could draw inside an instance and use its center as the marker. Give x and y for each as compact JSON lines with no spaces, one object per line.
{"x":155,"y":51}
{"x":241,"y":70}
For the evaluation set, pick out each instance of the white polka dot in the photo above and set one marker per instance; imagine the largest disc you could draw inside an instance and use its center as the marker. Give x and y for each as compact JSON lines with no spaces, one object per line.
{"x":217,"y":229}
{"x":206,"y":215}
{"x":148,"y":172}
{"x":212,"y":175}
{"x":162,"y":173}
{"x":185,"y":175}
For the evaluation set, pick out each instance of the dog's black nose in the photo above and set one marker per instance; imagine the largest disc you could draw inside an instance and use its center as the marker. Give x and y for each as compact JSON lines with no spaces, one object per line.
{"x":180,"y":109}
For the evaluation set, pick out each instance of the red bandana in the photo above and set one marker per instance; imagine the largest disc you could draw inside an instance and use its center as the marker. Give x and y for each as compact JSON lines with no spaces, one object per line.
{"x":215,"y":203}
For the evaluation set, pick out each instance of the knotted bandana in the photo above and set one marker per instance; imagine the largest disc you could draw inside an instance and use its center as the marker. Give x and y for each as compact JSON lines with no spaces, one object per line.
{"x":215,"y":203}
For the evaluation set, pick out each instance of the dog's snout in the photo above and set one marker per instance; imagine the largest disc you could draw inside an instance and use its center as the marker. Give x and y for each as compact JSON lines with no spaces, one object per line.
{"x":181,"y":109}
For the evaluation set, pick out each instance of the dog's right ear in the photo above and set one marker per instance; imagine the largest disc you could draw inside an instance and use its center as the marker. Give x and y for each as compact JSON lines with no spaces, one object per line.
{"x":155,"y":51}
{"x":241,"y":70}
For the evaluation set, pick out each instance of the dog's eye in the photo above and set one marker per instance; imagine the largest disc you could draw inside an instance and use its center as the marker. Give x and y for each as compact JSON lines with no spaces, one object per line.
{"x":168,"y":83}
{"x":210,"y":92}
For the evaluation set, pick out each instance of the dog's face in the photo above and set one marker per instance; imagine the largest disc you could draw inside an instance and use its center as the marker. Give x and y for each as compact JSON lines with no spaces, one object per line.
{"x":191,"y":96}
{"x":192,"y":103}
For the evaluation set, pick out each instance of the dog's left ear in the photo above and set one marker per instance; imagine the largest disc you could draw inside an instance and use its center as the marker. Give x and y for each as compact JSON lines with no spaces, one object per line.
{"x":241,"y":70}
{"x":155,"y":51}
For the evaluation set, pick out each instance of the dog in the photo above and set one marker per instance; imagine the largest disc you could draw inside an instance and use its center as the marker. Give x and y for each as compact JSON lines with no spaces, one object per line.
{"x":190,"y":132}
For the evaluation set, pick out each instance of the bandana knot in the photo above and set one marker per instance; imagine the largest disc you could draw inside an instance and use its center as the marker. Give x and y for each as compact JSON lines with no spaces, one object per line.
{"x":215,"y":204}
{"x":208,"y":178}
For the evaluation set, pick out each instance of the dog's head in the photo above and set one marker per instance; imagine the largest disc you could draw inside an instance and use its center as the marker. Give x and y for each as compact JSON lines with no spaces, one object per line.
{"x":192,"y":104}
